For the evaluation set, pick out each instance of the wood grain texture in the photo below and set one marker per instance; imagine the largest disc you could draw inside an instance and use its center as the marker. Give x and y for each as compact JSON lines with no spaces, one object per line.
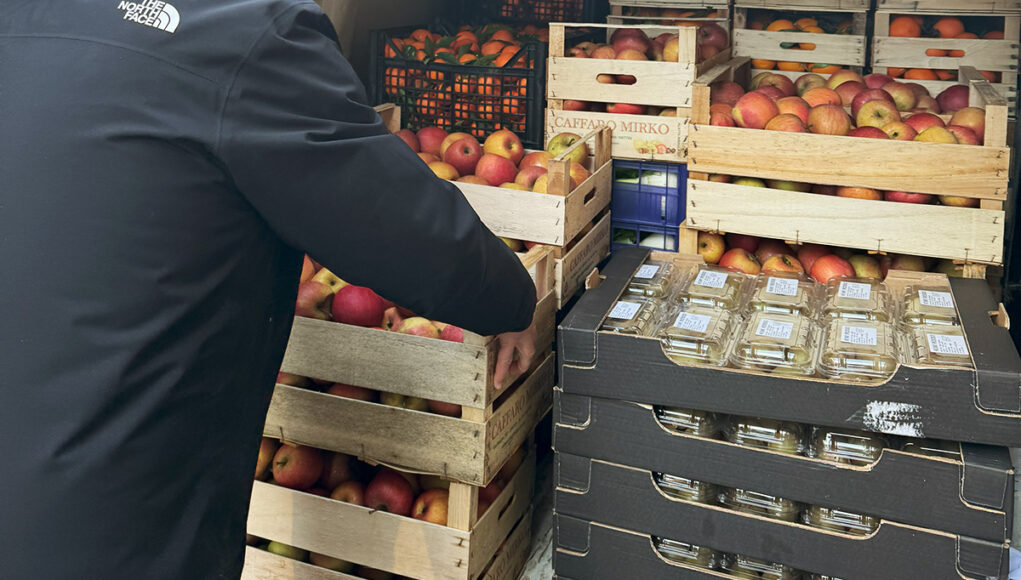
{"x":262,"y":565}
{"x":838,"y":5}
{"x":507,"y":564}
{"x":993,"y":55}
{"x":662,"y":84}
{"x":950,"y":6}
{"x":840,"y":49}
{"x":575,"y":265}
{"x":925,"y":230}
{"x":520,"y":215}
{"x":686,"y":4}
{"x":496,"y":524}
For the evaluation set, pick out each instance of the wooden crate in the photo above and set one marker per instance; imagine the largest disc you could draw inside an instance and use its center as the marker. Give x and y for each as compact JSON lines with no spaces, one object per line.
{"x":393,"y":543}
{"x":836,"y":5}
{"x":984,"y":55}
{"x":950,"y":6}
{"x":971,"y":235}
{"x":621,"y":13}
{"x":660,"y":84}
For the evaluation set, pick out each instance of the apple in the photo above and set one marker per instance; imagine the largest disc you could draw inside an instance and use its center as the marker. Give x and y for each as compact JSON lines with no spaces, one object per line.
{"x":714,"y":35}
{"x":831,"y":266}
{"x":292,"y":380}
{"x":327,"y":277}
{"x":629,"y":54}
{"x":496,"y":169}
{"x":772,"y":92}
{"x":359,"y":306}
{"x":575,"y":105}
{"x":742,"y":241}
{"x":297,"y":466}
{"x":541,"y":184}
{"x":606,"y":79}
{"x":719,"y":178}
{"x":671,"y":50}
{"x":905,"y":197}
{"x":821,"y":189}
{"x":711,"y":247}
{"x":430,"y":139}
{"x":955,"y":201}
{"x":740,"y":260}
{"x":784,"y":84}
{"x":587,"y":46}
{"x":782,"y":263}
{"x":352,"y":392}
{"x":919,"y":90}
{"x":876,"y":80}
{"x":902,"y":94}
{"x":788,"y":186}
{"x":865,"y":266}
{"x":428,"y":158}
{"x":404,"y":402}
{"x":307,"y":269}
{"x":452,"y":333}
{"x":953,"y":99}
{"x":749,"y":182}
{"x":849,"y":90}
{"x":281,"y":549}
{"x":859,"y":193}
{"x":390,"y":492}
{"x":936,"y":135}
{"x":528,"y":175}
{"x":794,"y":106}
{"x":753,"y":110}
{"x":267,"y":449}
{"x":444,"y":170}
{"x":483,"y":506}
{"x":603,"y":51}
{"x":927,"y":104}
{"x":877,"y":114}
{"x":869,"y":95}
{"x":769,"y":248}
{"x":562,"y":142}
{"x":450,"y":140}
{"x":829,"y":120}
{"x":964,"y":135}
{"x":474,"y":179}
{"x":807,"y":82}
{"x":536,"y":159}
{"x":625,"y":109}
{"x":630,"y":39}
{"x":922,"y":121}
{"x":842,"y":76}
{"x":757,"y":80}
{"x":336,"y":470}
{"x":786,"y":122}
{"x":721,"y":120}
{"x":726,"y":92}
{"x":577,"y":52}
{"x":973,"y":118}
{"x":443,"y":408}
{"x":912,"y":263}
{"x":314,"y":300}
{"x":330,"y":563}
{"x":822,"y":96}
{"x":392,"y":318}
{"x":578,"y":173}
{"x":505,"y":144}
{"x":351,"y":491}
{"x":418,"y":326}
{"x":809,"y":253}
{"x":431,"y":506}
{"x":490,"y":492}
{"x":464,"y":155}
{"x":869,"y":133}
{"x":900,"y":131}
{"x":433,"y":482}
{"x":949,"y":268}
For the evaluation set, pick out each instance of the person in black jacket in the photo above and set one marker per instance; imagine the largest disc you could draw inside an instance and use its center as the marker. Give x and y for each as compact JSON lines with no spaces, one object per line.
{"x":162,"y":168}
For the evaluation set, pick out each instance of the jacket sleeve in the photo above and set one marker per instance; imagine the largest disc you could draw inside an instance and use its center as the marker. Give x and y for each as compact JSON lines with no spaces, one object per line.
{"x":301,"y":144}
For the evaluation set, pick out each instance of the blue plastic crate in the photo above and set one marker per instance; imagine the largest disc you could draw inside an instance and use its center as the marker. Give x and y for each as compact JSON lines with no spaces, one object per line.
{"x":627,"y":234}
{"x":649,"y":193}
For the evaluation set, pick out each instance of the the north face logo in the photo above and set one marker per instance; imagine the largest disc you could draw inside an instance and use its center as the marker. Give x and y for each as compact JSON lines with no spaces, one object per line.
{"x":154,"y":13}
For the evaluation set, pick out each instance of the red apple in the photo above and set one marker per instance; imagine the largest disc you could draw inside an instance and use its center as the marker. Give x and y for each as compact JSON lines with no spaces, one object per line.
{"x":625,"y":109}
{"x":922,"y":121}
{"x":443,"y":408}
{"x":878,"y":114}
{"x":905,"y":197}
{"x":822,"y":96}
{"x":490,"y":492}
{"x":809,"y":253}
{"x":390,"y":492}
{"x":714,"y":35}
{"x":772,"y":92}
{"x":782,"y":263}
{"x":496,"y":169}
{"x":794,"y":106}
{"x":726,"y":92}
{"x":450,"y":140}
{"x":902,"y":94}
{"x":336,"y":470}
{"x":528,"y":175}
{"x":786,"y":122}
{"x":919,"y":90}
{"x":292,"y":380}
{"x":352,"y":392}
{"x":430,"y":139}
{"x":900,"y":131}
{"x":829,"y":120}
{"x":927,"y":104}
{"x":831,"y":266}
{"x":351,"y":491}
{"x":537,"y":159}
{"x":953,"y":98}
{"x":842,"y":76}
{"x":740,"y":260}
{"x":964,"y":135}
{"x":869,"y":95}
{"x":409,"y":137}
{"x":784,"y":84}
{"x":267,"y":449}
{"x":464,"y":155}
{"x":753,"y":110}
{"x":452,"y":333}
{"x":359,"y":306}
{"x":849,"y":90}
{"x":431,"y":506}
{"x":876,"y":80}
{"x":574,"y":105}
{"x":603,"y":51}
{"x":869,"y":133}
{"x":297,"y":467}
{"x":314,"y":300}
{"x":745,"y":242}
{"x":769,"y":248}
{"x":630,"y":39}
{"x":721,"y":120}
{"x":505,"y":144}
{"x":973,"y":118}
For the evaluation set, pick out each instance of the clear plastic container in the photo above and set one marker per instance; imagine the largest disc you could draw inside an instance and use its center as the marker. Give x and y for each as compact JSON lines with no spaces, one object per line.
{"x":838,"y":520}
{"x":858,"y":299}
{"x":753,"y":569}
{"x":785,"y":293}
{"x":714,"y":287}
{"x":929,"y":305}
{"x":859,"y":350}
{"x":698,"y":335}
{"x":938,"y":345}
{"x":654,"y":279}
{"x":699,"y":423}
{"x":633,"y":315}
{"x":686,"y":489}
{"x":778,"y":343}
{"x":933,"y":448}
{"x":780,"y":436}
{"x":760,"y":504}
{"x":686,"y":553}
{"x":845,"y":446}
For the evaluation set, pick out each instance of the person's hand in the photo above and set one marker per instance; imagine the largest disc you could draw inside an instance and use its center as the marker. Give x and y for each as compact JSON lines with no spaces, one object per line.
{"x":515,"y":354}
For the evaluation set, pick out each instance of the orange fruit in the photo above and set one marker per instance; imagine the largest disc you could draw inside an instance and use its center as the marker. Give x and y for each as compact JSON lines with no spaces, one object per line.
{"x":466,"y":58}
{"x":895,"y":73}
{"x":806,"y":23}
{"x":946,"y":75}
{"x":993,"y":35}
{"x":823,"y":69}
{"x":781,"y":24}
{"x":420,"y":35}
{"x":763,"y":64}
{"x":905,"y":27}
{"x":790,"y":66}
{"x":757,"y":25}
{"x":948,"y":27}
{"x":935,"y":52}
{"x":813,"y":30}
{"x":388,"y":50}
{"x":492,"y":47}
{"x":993,"y":77}
{"x":467,"y":35}
{"x":503,"y":35}
{"x":505,"y":55}
{"x":921,"y":74}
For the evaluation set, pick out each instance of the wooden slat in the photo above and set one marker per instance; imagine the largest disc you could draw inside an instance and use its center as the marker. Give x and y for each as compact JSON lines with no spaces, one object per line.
{"x":575,"y":265}
{"x":517,"y":416}
{"x":662,"y":84}
{"x":462,"y":506}
{"x":993,"y":55}
{"x":520,"y":215}
{"x":838,"y":5}
{"x":507,"y":564}
{"x":634,"y":136}
{"x":938,"y":168}
{"x":514,"y":502}
{"x":950,"y":6}
{"x":687,"y":4}
{"x":262,"y":565}
{"x":924,"y":230}
{"x":391,"y":116}
{"x":840,"y":49}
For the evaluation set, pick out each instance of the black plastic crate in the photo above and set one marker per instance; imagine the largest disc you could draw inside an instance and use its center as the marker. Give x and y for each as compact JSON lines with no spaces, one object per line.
{"x":629,"y":234}
{"x":649,"y":193}
{"x":536,"y":11}
{"x":472,"y":98}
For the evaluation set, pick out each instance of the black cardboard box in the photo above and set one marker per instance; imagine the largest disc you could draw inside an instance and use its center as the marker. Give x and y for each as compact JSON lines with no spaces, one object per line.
{"x":976,"y":406}
{"x":972,"y":497}
{"x":629,"y":498}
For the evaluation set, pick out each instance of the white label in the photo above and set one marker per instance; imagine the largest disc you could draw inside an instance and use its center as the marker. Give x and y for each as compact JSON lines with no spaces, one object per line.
{"x":710,"y":279}
{"x":865,"y":335}
{"x":782,"y":286}
{"x":647,"y":271}
{"x":625,"y":310}
{"x":693,"y":322}
{"x":854,"y":290}
{"x":936,"y":299}
{"x":774,"y":329}
{"x":947,"y":344}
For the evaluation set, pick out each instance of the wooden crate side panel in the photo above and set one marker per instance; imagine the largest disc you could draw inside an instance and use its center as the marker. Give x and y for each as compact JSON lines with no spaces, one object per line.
{"x":842,"y":49}
{"x":1008,"y":92}
{"x":937,"y":168}
{"x":838,"y":5}
{"x":546,"y":327}
{"x":924,"y":230}
{"x":588,"y":200}
{"x":994,"y":55}
{"x":575,"y":266}
{"x":646,"y":137}
{"x":509,"y":561}
{"x":356,"y":533}
{"x":689,"y":4}
{"x":950,"y":6}
{"x":662,"y":84}
{"x":517,"y":415}
{"x":520,"y":215}
{"x":262,"y":565}
{"x":496,"y":524}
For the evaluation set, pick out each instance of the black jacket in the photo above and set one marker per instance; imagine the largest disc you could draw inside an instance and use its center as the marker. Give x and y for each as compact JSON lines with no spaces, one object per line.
{"x":162,"y":167}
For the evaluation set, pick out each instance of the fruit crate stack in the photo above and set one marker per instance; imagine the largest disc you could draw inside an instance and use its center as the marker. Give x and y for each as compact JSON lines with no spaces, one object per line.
{"x":928,"y":41}
{"x":669,"y":13}
{"x":369,"y":380}
{"x":711,"y":424}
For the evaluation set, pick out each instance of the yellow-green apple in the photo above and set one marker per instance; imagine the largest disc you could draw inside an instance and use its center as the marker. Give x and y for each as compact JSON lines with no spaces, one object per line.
{"x":452,"y":333}
{"x":575,"y":105}
{"x":629,"y":55}
{"x":749,"y":182}
{"x":281,"y":549}
{"x":516,"y":186}
{"x":876,"y":80}
{"x":444,"y":408}
{"x":770,"y":91}
{"x":490,"y":492}
{"x":428,"y":158}
{"x":536,"y":159}
{"x":902,"y":94}
{"x":604,"y":51}
{"x":472,"y":179}
{"x":431,"y":506}
{"x":740,"y":260}
{"x":330,"y":563}
{"x":865,"y":266}
{"x":433,"y":482}
{"x":821,"y":96}
{"x":562,"y":142}
{"x":757,"y":80}
{"x":829,"y":120}
{"x":373,"y":574}
{"x":877,"y":113}
{"x":784,"y":84}
{"x":922,"y":121}
{"x":496,"y":169}
{"x":726,"y":92}
{"x":954,"y":98}
{"x":973,"y":118}
{"x":821,"y":189}
{"x":630,"y":39}
{"x":267,"y":449}
{"x":788,"y":186}
{"x":625,"y":109}
{"x":782,"y":263}
{"x":719,"y":178}
{"x":905,"y":197}
{"x":787,"y":123}
{"x":464,"y":155}
{"x":753,"y":110}
{"x":809,"y":253}
{"x":307,"y":269}
{"x":794,"y":106}
{"x":297,"y":466}
{"x":859,"y":193}
{"x":721,"y":120}
{"x":956,"y":201}
{"x":713,"y":35}
{"x":769,"y":248}
{"x":292,"y":380}
{"x":926,"y":104}
{"x":336,"y":470}
{"x":430,"y":140}
{"x":444,"y":170}
{"x":351,"y":491}
{"x":842,"y":76}
{"x":513,"y":463}
{"x":327,"y":277}
{"x":359,"y":306}
{"x":313,"y":301}
{"x":390,"y":492}
{"x":964,"y":135}
{"x":849,"y":90}
{"x":868,"y":133}
{"x":578,"y":173}
{"x":671,"y":49}
{"x":900,"y":131}
{"x":831,"y":266}
{"x":711,"y":247}
{"x":949,"y":268}
{"x":527,"y":176}
{"x":912,"y":263}
{"x":409,"y":137}
{"x":352,"y":392}
{"x":869,"y":95}
{"x":514,"y":245}
{"x":418,"y":326}
{"x":807,"y":82}
{"x":450,"y":140}
{"x":936,"y":135}
{"x":505,"y":144}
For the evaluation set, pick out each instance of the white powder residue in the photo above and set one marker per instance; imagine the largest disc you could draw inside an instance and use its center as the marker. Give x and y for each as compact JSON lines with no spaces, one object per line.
{"x":894,"y":418}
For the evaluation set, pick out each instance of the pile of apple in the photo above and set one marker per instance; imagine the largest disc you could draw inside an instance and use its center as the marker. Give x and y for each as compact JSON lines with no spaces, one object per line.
{"x":634,"y":44}
{"x":752,"y":255}
{"x":344,"y":478}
